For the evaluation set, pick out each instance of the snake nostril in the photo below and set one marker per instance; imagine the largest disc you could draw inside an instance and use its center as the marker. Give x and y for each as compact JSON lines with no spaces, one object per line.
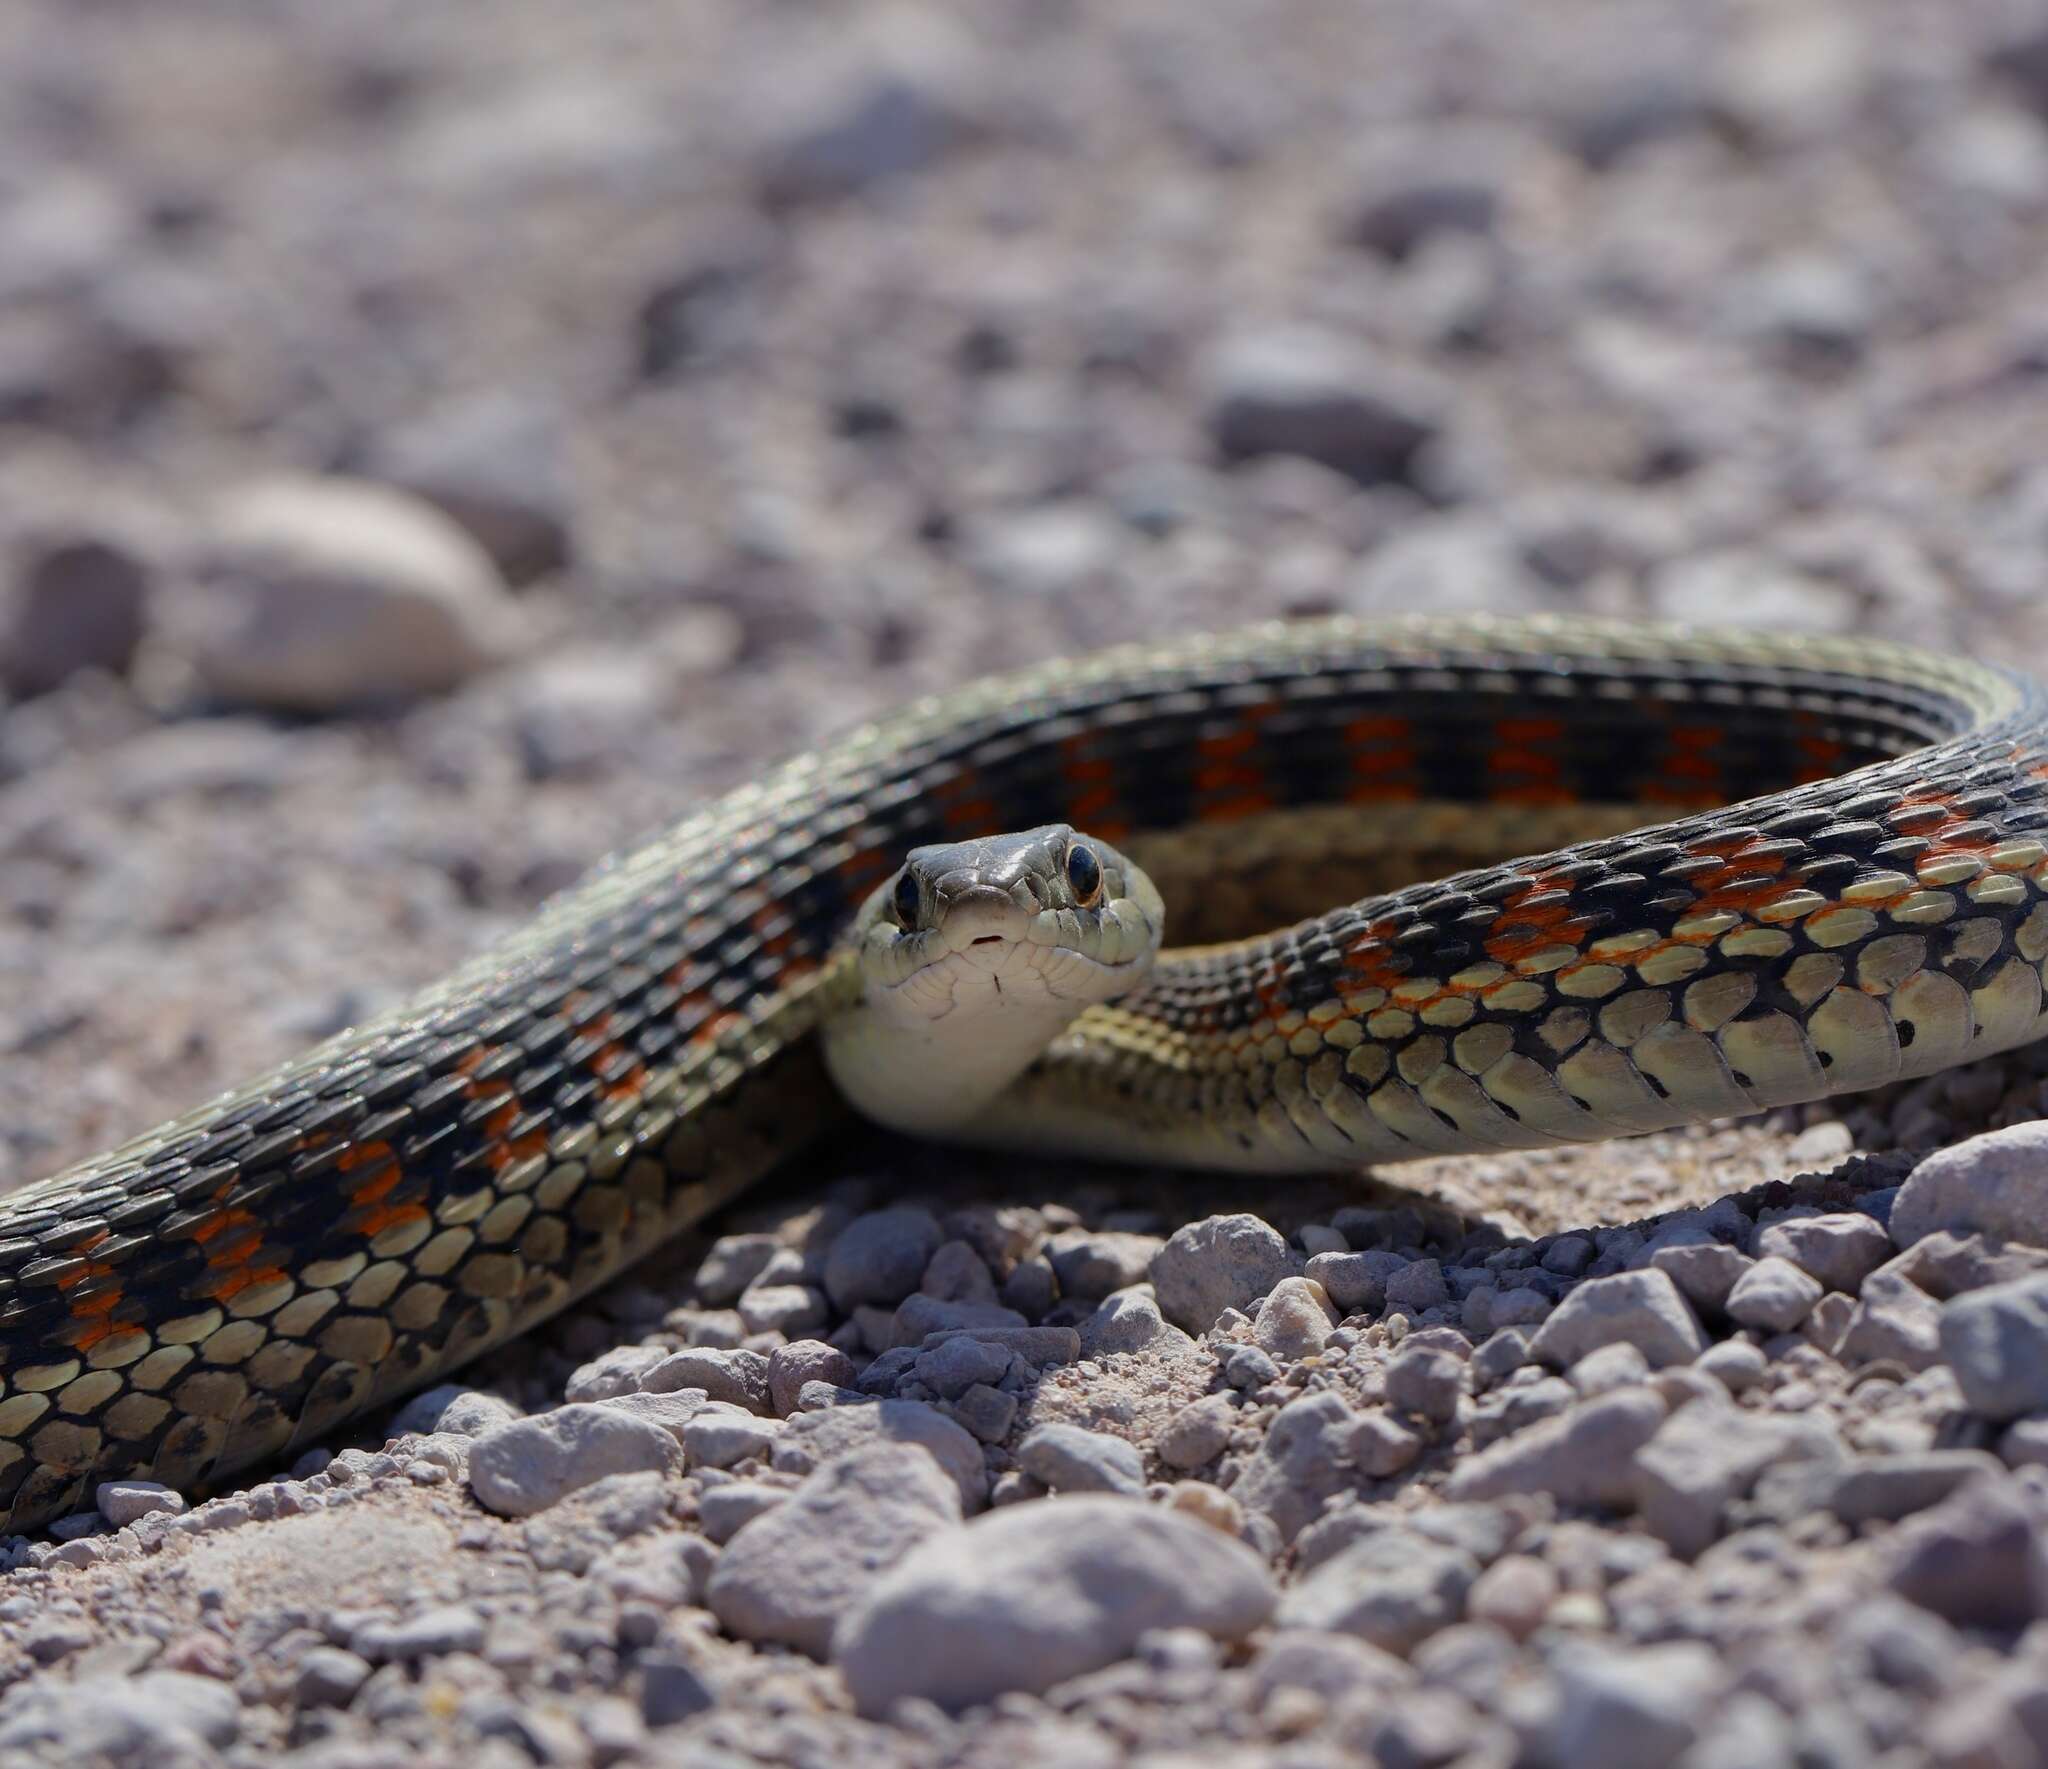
{"x":984,"y":939}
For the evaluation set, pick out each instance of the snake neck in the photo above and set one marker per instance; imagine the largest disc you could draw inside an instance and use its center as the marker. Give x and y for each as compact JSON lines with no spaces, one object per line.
{"x":936,"y":1077}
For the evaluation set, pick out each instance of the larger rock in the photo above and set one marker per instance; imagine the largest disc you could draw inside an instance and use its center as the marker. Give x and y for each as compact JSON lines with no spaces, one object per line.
{"x":879,"y":1258}
{"x":1639,"y":1308}
{"x":315,"y":595}
{"x":810,"y":1440}
{"x":1709,"y":1453}
{"x":1631,"y":1709}
{"x":1220,"y":1262}
{"x":1994,"y":1184}
{"x":793,"y":1572}
{"x":80,"y":603}
{"x":1029,"y":1596}
{"x":1997,"y":1342}
{"x":1392,"y":1589}
{"x":159,"y":1720}
{"x":1583,"y":1457}
{"x":530,"y":1464}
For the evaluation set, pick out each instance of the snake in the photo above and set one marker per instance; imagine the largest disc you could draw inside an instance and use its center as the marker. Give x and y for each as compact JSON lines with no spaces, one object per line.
{"x":1438,"y":884}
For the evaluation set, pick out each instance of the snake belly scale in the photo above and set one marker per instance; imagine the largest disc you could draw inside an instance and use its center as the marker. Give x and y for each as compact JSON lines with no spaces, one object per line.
{"x":1764,"y":869}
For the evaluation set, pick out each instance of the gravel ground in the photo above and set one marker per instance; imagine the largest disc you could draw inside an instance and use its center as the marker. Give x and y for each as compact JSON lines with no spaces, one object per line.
{"x":437,"y":444}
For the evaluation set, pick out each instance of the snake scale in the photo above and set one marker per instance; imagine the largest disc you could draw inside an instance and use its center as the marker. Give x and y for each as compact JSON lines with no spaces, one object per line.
{"x":1766,"y":869}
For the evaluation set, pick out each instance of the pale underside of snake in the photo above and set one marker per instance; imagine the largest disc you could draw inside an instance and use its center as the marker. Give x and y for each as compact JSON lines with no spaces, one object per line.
{"x":1690,"y":874}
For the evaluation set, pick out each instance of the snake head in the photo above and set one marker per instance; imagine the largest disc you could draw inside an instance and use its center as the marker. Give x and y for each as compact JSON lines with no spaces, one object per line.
{"x":974,"y":957}
{"x":1049,"y":912}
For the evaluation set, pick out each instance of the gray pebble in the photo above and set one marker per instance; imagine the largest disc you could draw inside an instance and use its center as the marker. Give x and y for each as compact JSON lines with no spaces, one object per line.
{"x":1355,"y":1282}
{"x":618,"y":1371}
{"x":1631,"y":1708}
{"x":805,"y":1360}
{"x":736,"y":1376}
{"x":671,"y":1690}
{"x":733,"y":1262}
{"x":433,"y":1633}
{"x":1417,"y":1287}
{"x":726,"y":1510}
{"x":1067,"y":1458}
{"x":1248,"y":1366}
{"x":328,"y":1677}
{"x":1994,"y":1184}
{"x":812,"y":1439}
{"x":1996,"y":1340}
{"x":1034,"y":1594}
{"x":1294,"y":1320}
{"x":1708,"y":1454}
{"x":124,"y":1501}
{"x":1735,"y":1363}
{"x":718,"y":1440}
{"x":789,"y":1575}
{"x":1304,"y":1460}
{"x":956,"y":1364}
{"x":530,"y":1464}
{"x":1971,"y":1559}
{"x":1300,"y":390}
{"x":1641,"y":1308}
{"x":80,"y":602}
{"x":1886,"y":1488}
{"x":784,"y":1308}
{"x":1198,"y":1433}
{"x":1894,"y":1322}
{"x":879,"y":1258}
{"x":316,"y":595}
{"x":1583,"y":1456}
{"x":1840,"y":1249}
{"x":463,"y":1412}
{"x":1774,"y":1296}
{"x":1619,"y":1365}
{"x":956,"y":1273}
{"x":1392,"y":1589}
{"x":1427,"y":1383}
{"x":987,"y":1412}
{"x":1704,"y":1271}
{"x":1130,"y":1321}
{"x":1097,"y":1263}
{"x":1220,"y":1262}
{"x":1381,"y":1446}
{"x":498,"y":464}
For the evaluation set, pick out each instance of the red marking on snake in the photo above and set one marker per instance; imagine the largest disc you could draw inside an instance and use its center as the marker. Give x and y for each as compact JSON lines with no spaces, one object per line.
{"x":1228,"y":779}
{"x":1538,"y":916}
{"x":1527,"y":773}
{"x":1742,"y":878}
{"x":1371,"y":959}
{"x":1382,"y":761}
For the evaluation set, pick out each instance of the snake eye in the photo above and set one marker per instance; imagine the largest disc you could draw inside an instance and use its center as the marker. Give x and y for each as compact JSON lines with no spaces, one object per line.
{"x":905,"y":901}
{"x":1084,"y":873}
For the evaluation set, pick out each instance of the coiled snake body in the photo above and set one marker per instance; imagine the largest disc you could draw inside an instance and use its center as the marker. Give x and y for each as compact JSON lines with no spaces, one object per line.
{"x":1798,"y":867}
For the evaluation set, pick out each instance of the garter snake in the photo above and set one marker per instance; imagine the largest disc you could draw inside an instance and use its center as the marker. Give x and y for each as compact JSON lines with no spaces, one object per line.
{"x":1691,"y":873}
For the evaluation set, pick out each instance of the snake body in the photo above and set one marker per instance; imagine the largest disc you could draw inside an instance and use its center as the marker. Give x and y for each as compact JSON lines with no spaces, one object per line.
{"x":1797,"y":867}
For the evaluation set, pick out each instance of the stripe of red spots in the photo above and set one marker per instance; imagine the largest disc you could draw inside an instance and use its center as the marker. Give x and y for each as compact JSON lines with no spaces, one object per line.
{"x":234,"y":1259}
{"x":1229,"y":780}
{"x":1524,"y":771}
{"x":1536,"y":917}
{"x":1743,"y":877}
{"x":1371,"y":959}
{"x":1933,"y":815}
{"x":1091,"y":789}
{"x":1382,"y":761}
